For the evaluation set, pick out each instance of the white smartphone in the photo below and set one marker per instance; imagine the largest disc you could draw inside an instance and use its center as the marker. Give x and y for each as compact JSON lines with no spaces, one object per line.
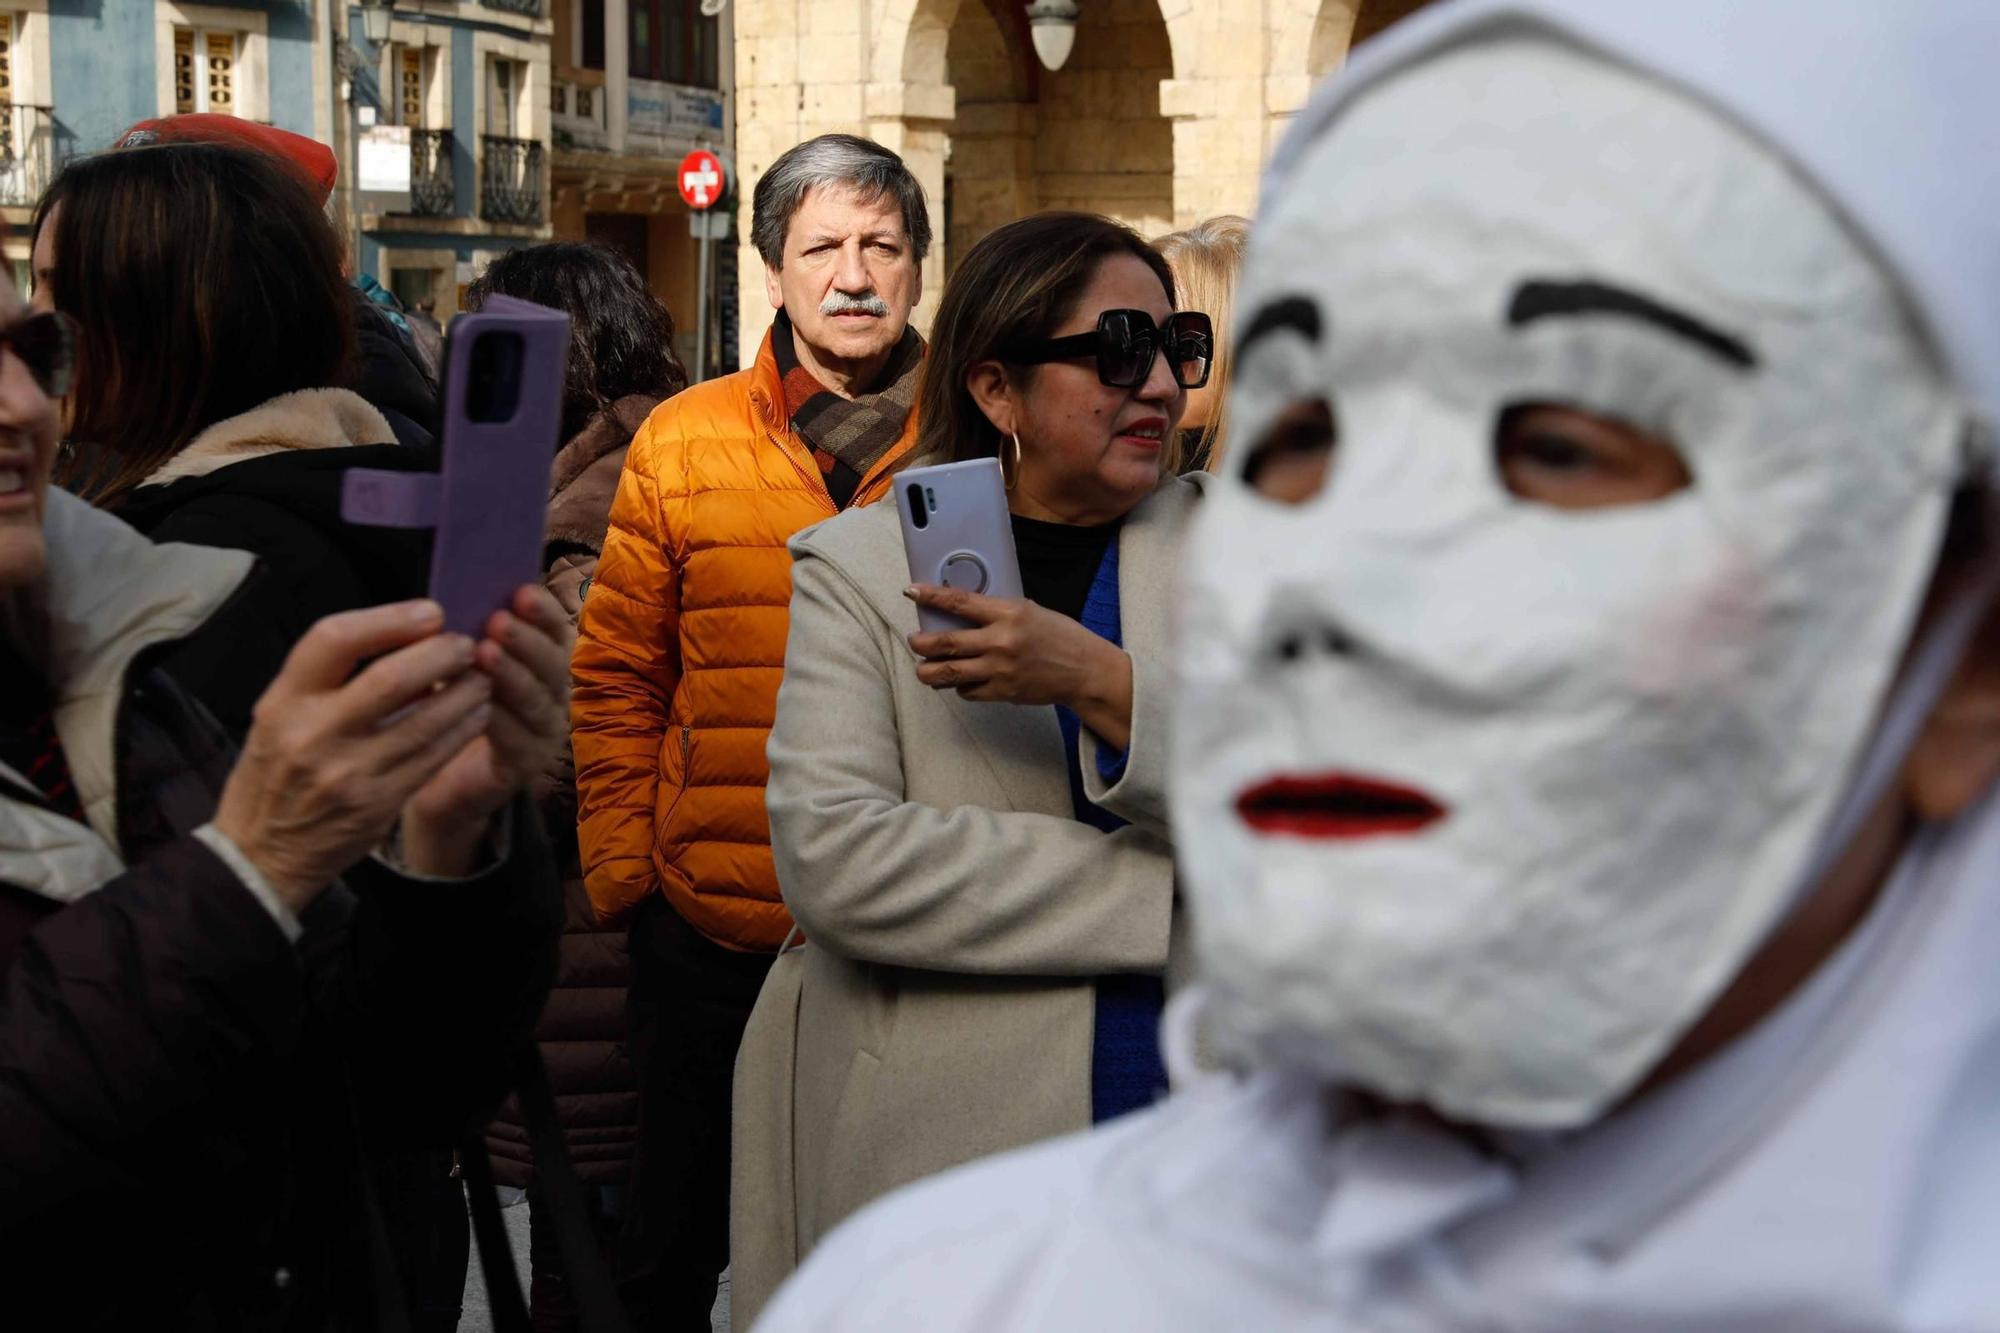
{"x":956,"y":532}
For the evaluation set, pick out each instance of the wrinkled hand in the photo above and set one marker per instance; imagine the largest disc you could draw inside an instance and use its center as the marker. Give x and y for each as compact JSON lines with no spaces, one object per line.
{"x":332,"y":756}
{"x":525,"y":656}
{"x":1023,"y":653}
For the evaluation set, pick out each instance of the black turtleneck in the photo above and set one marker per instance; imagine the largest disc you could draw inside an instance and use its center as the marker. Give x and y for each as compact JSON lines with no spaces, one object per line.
{"x":1059,"y":561}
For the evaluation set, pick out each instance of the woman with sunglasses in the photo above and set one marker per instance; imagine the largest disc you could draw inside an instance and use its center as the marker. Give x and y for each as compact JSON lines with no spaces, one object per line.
{"x":225,"y":977}
{"x":986,"y":934}
{"x":214,"y":332}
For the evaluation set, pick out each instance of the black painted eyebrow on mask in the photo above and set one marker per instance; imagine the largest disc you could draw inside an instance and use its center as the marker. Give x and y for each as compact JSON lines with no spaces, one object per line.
{"x":1536,"y":300}
{"x":1297,"y":313}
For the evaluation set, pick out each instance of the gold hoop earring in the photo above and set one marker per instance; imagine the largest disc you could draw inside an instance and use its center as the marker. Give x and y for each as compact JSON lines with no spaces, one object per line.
{"x":1007,"y":477}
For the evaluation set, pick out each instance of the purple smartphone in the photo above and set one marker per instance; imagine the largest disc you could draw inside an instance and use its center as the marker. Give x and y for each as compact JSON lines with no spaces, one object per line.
{"x":503,"y":377}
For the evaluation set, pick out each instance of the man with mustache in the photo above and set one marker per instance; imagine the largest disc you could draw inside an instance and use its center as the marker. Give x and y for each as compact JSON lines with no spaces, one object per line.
{"x":679,"y":655}
{"x":1587,"y":735}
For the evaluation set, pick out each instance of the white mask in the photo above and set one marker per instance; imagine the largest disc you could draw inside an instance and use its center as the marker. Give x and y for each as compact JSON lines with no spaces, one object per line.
{"x":1636,"y":720}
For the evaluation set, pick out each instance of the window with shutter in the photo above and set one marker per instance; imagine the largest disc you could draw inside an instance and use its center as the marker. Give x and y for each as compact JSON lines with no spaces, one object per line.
{"x":222,"y":73}
{"x":412,"y":85}
{"x":6,"y":87}
{"x":184,"y":85}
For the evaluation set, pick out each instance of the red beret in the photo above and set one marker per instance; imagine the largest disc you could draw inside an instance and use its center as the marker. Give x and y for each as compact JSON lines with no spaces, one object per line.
{"x":311,"y":159}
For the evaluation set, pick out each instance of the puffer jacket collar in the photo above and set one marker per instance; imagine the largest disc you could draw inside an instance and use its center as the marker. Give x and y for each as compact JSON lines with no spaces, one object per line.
{"x":107,"y":596}
{"x":767,"y":388}
{"x":304,"y":419}
{"x":767,"y":403}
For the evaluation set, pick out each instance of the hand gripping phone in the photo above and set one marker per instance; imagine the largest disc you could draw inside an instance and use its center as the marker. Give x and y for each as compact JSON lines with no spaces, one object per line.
{"x":957,"y":534}
{"x":503,"y":380}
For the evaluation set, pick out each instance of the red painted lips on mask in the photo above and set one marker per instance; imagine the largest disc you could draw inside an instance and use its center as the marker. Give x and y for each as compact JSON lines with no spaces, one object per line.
{"x":1335,"y":805}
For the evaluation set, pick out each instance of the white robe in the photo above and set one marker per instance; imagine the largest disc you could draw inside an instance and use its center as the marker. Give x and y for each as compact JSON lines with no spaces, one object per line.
{"x":1836,"y":1169}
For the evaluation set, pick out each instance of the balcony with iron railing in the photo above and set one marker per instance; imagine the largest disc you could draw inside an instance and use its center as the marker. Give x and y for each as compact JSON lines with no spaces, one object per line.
{"x":433,"y":182}
{"x":532,"y":8}
{"x":28,"y":155}
{"x":510,"y":180}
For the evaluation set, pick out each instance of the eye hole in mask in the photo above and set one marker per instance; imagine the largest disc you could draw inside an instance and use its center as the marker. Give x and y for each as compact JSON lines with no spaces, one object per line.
{"x":1291,"y":462}
{"x":1567,"y":458}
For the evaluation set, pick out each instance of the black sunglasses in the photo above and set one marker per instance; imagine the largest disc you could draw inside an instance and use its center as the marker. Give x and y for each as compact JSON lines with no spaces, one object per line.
{"x":1125,"y":343}
{"x":46,"y":344}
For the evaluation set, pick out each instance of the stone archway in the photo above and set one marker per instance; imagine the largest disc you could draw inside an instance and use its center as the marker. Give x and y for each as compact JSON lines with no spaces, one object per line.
{"x":1102,"y":144}
{"x":1164,"y":114}
{"x":1310,"y":40}
{"x":990,"y":165}
{"x":1342,"y":25}
{"x":1005,"y":137}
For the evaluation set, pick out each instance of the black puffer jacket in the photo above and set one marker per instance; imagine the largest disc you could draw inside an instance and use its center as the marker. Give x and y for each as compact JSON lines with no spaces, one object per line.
{"x":185,"y":1094}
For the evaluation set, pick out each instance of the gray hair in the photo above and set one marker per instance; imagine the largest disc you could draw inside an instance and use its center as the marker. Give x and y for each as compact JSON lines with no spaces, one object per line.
{"x":834,"y":159}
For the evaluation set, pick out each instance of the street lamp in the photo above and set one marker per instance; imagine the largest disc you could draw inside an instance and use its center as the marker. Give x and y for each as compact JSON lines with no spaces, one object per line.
{"x":1052,"y":24}
{"x":376,"y":16}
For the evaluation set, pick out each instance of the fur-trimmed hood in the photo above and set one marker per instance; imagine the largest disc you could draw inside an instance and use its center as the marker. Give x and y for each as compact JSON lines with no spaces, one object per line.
{"x":585,"y":475}
{"x":305,"y":419}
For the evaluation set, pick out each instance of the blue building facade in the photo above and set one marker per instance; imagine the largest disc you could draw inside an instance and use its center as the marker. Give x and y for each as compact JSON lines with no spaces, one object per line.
{"x":106,"y":61}
{"x":77,"y":73}
{"x":466,"y":87}
{"x":460,"y":86}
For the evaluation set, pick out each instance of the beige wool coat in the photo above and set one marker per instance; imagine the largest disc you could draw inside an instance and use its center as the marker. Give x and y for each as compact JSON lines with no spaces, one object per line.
{"x":955,"y":912}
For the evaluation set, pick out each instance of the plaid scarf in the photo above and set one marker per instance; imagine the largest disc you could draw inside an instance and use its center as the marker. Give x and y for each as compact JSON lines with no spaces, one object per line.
{"x":848,"y":435}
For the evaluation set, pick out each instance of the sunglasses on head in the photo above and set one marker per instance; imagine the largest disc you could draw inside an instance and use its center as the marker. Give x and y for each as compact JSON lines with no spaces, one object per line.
{"x":46,"y":344}
{"x":1125,"y":343}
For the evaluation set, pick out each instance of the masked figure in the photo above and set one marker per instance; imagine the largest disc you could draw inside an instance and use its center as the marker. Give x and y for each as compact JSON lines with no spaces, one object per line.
{"x":1589,"y":705}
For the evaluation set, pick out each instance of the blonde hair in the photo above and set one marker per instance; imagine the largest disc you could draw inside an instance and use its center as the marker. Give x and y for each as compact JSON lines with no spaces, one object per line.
{"x":1205,"y":259}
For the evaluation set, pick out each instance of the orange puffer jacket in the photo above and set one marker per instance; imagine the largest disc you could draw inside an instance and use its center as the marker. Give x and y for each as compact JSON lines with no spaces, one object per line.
{"x":680,"y":650}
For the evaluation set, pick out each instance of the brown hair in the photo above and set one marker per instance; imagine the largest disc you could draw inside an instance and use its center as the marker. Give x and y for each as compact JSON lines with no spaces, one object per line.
{"x":205,"y":280}
{"x":1206,"y":259}
{"x":620,"y":334}
{"x":1018,"y":284}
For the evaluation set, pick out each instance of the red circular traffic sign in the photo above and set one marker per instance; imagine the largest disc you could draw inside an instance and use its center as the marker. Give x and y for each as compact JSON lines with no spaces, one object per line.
{"x":702,"y":179}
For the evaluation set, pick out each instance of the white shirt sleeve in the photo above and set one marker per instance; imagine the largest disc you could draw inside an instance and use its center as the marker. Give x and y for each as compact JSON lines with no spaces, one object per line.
{"x":253,"y":879}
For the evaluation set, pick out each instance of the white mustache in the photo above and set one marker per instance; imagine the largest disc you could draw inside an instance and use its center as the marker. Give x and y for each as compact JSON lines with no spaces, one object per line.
{"x":840,"y":303}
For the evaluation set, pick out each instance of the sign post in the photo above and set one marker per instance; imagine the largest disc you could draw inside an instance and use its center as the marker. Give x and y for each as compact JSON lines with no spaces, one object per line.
{"x":704,"y":182}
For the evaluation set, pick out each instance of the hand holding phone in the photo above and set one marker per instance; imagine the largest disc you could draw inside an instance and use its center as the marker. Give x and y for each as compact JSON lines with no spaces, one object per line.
{"x":502,"y":386}
{"x":502,"y":414}
{"x":987,"y":641}
{"x":957,"y":533}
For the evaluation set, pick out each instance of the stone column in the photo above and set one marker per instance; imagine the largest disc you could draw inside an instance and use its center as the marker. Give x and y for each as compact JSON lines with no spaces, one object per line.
{"x":1216,"y":101}
{"x":913,"y":121}
{"x":801,"y":71}
{"x":617,"y":72}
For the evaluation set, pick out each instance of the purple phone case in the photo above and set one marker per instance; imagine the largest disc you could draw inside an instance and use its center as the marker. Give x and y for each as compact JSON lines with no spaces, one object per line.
{"x":489,"y":504}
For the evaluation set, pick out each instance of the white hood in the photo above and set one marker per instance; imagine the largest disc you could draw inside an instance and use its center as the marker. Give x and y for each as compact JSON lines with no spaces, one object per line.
{"x":1891,"y":106}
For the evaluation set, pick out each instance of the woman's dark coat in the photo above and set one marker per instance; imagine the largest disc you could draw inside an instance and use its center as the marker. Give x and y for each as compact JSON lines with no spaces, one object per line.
{"x":185,"y":1093}
{"x":583,"y":1030}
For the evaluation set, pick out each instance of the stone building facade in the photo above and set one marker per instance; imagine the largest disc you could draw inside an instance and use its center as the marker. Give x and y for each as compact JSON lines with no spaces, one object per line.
{"x":1164,"y":113}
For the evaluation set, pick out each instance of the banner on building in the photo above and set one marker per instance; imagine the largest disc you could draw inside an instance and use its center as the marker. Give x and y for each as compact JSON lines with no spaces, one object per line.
{"x":666,"y":118}
{"x":382,"y":169}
